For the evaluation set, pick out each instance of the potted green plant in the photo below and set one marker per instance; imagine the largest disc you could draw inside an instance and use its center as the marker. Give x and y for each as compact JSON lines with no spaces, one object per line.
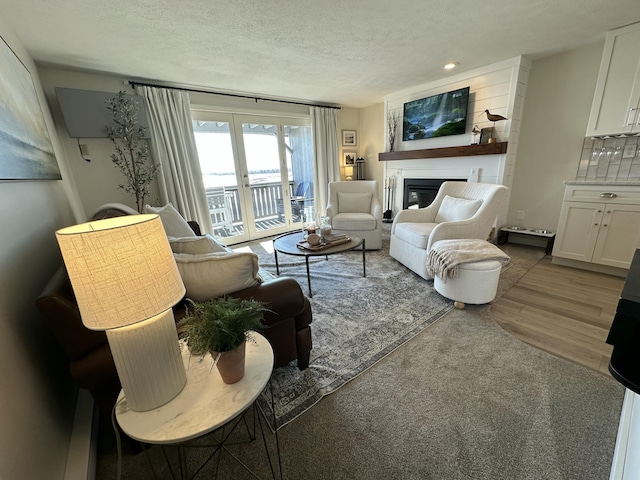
{"x":221,"y":327}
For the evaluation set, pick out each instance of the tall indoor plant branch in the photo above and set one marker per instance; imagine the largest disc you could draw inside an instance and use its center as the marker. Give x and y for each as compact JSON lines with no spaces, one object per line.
{"x":131,"y":154}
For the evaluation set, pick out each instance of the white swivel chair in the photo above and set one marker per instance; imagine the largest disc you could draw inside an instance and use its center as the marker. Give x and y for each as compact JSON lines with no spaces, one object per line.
{"x":355,"y":210}
{"x":470,"y":211}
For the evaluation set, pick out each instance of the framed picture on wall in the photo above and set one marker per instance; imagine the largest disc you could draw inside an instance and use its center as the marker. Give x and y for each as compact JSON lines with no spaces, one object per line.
{"x":485,"y":134}
{"x":349,"y":158}
{"x":27,"y":152}
{"x":349,"y":138}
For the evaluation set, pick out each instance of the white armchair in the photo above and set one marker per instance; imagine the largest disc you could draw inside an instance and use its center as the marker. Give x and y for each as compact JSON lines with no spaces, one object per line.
{"x":355,"y":210}
{"x":470,"y":211}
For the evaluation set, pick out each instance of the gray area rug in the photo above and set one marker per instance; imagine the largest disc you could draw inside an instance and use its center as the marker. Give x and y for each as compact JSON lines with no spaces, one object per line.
{"x":356,"y":321}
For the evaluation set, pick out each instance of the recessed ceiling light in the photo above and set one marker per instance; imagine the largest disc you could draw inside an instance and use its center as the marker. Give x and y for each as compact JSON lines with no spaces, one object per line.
{"x":450,"y":65}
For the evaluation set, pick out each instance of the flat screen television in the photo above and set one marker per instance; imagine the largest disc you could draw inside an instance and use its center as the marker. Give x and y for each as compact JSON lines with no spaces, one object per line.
{"x":436,"y":116}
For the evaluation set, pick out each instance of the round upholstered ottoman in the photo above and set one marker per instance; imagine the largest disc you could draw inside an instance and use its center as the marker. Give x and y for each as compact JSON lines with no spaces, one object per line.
{"x":475,"y":283}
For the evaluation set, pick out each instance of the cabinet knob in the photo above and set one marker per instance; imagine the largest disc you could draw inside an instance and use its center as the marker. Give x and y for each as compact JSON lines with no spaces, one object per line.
{"x":598,"y":211}
{"x":605,"y":225}
{"x":596,"y":224}
{"x":608,"y":195}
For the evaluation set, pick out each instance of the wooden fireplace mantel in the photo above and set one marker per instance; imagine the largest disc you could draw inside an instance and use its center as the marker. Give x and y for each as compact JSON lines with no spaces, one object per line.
{"x":460,"y":151}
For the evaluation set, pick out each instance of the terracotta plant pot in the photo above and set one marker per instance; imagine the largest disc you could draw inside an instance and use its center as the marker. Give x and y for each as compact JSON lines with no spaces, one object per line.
{"x":231,"y":364}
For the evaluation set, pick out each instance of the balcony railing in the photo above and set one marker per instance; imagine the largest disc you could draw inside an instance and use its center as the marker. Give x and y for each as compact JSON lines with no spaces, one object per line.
{"x":267,"y":203}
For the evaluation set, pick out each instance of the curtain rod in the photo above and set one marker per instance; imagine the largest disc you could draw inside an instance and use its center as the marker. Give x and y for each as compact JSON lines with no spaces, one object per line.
{"x":253,"y":97}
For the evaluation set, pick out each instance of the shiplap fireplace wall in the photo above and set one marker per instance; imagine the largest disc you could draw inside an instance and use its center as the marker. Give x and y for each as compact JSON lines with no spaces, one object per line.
{"x":499,"y":88}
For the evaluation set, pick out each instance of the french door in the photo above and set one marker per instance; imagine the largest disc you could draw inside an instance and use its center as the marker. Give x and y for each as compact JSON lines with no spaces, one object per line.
{"x":253,"y":168}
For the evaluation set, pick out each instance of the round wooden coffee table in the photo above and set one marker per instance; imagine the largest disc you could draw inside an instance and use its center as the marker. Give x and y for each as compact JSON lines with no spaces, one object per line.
{"x":288,"y":244}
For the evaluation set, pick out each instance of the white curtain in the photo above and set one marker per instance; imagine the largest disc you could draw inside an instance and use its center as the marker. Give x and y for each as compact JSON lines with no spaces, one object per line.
{"x":324,"y":123}
{"x":174,"y":147}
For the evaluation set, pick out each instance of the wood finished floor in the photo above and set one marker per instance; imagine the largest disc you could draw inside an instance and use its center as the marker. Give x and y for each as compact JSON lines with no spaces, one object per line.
{"x":564,"y":311}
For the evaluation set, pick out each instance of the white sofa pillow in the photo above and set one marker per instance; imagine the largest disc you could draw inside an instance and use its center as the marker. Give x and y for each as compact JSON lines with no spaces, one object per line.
{"x":211,"y":275}
{"x":173,"y":223}
{"x":354,"y":202}
{"x":453,"y":209}
{"x":196,"y":245}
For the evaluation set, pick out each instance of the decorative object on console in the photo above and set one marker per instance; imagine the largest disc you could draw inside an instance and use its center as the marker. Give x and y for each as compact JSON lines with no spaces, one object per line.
{"x":129,"y":258}
{"x":349,"y":138}
{"x":485,"y":135}
{"x":493,"y":118}
{"x":131,"y":154}
{"x":325,"y":226}
{"x":348,"y":172}
{"x":475,"y":131}
{"x":221,"y":327}
{"x":314,"y":239}
{"x":360,"y":173}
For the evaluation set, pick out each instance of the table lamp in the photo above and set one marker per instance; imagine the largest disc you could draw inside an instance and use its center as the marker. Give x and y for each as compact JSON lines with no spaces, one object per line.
{"x":126,"y":282}
{"x":348,"y":172}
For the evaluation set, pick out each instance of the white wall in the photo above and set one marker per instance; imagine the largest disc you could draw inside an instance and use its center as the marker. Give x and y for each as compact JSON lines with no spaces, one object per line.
{"x":349,"y":119}
{"x":37,"y":399}
{"x":556,"y":114}
{"x":371,"y":142}
{"x":97,"y":181}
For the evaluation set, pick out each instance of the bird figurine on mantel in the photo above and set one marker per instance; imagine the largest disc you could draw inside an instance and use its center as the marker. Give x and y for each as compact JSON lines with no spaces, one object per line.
{"x":492,"y":117}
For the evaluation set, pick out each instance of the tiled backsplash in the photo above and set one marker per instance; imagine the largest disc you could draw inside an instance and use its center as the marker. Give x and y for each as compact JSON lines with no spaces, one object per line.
{"x":610,"y":159}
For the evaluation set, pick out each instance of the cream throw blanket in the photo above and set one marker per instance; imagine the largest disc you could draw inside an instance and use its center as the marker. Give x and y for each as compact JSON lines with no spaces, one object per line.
{"x":446,"y":255}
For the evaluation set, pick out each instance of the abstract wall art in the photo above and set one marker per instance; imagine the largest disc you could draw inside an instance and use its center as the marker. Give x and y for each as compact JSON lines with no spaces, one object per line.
{"x":26,"y":152}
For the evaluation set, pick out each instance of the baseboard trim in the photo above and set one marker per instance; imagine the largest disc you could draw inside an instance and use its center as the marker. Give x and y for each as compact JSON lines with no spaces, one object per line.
{"x":593,"y":267}
{"x":83,"y":446}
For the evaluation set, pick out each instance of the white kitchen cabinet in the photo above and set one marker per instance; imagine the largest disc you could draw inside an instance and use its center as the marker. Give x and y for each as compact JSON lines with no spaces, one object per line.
{"x":599,"y":224}
{"x":616,"y":102}
{"x":619,"y":235}
{"x":577,"y":231}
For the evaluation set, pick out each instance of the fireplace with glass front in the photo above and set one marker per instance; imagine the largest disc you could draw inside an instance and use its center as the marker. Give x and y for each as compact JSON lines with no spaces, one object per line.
{"x":420,"y":192}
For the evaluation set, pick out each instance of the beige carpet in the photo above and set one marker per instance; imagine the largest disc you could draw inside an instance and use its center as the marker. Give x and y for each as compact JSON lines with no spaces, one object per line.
{"x":463,"y":399}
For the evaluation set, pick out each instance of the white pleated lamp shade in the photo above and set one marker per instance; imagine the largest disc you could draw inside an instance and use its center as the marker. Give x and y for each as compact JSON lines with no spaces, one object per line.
{"x":122,"y":270}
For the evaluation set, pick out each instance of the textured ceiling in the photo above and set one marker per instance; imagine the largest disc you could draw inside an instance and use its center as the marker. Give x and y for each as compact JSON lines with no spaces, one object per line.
{"x":347,"y":52}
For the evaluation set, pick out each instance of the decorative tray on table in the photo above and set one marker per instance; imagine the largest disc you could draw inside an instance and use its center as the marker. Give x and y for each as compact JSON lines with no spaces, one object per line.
{"x":335,"y":240}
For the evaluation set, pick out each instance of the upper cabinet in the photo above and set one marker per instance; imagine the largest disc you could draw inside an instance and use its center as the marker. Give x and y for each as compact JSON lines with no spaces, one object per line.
{"x":616,"y":102}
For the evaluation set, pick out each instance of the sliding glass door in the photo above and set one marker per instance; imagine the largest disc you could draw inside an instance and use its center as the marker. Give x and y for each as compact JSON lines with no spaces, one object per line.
{"x":257,"y":172}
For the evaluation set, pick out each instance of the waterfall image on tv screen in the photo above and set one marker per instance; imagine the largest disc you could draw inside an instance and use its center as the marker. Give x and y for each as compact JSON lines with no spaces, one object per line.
{"x":436,"y":116}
